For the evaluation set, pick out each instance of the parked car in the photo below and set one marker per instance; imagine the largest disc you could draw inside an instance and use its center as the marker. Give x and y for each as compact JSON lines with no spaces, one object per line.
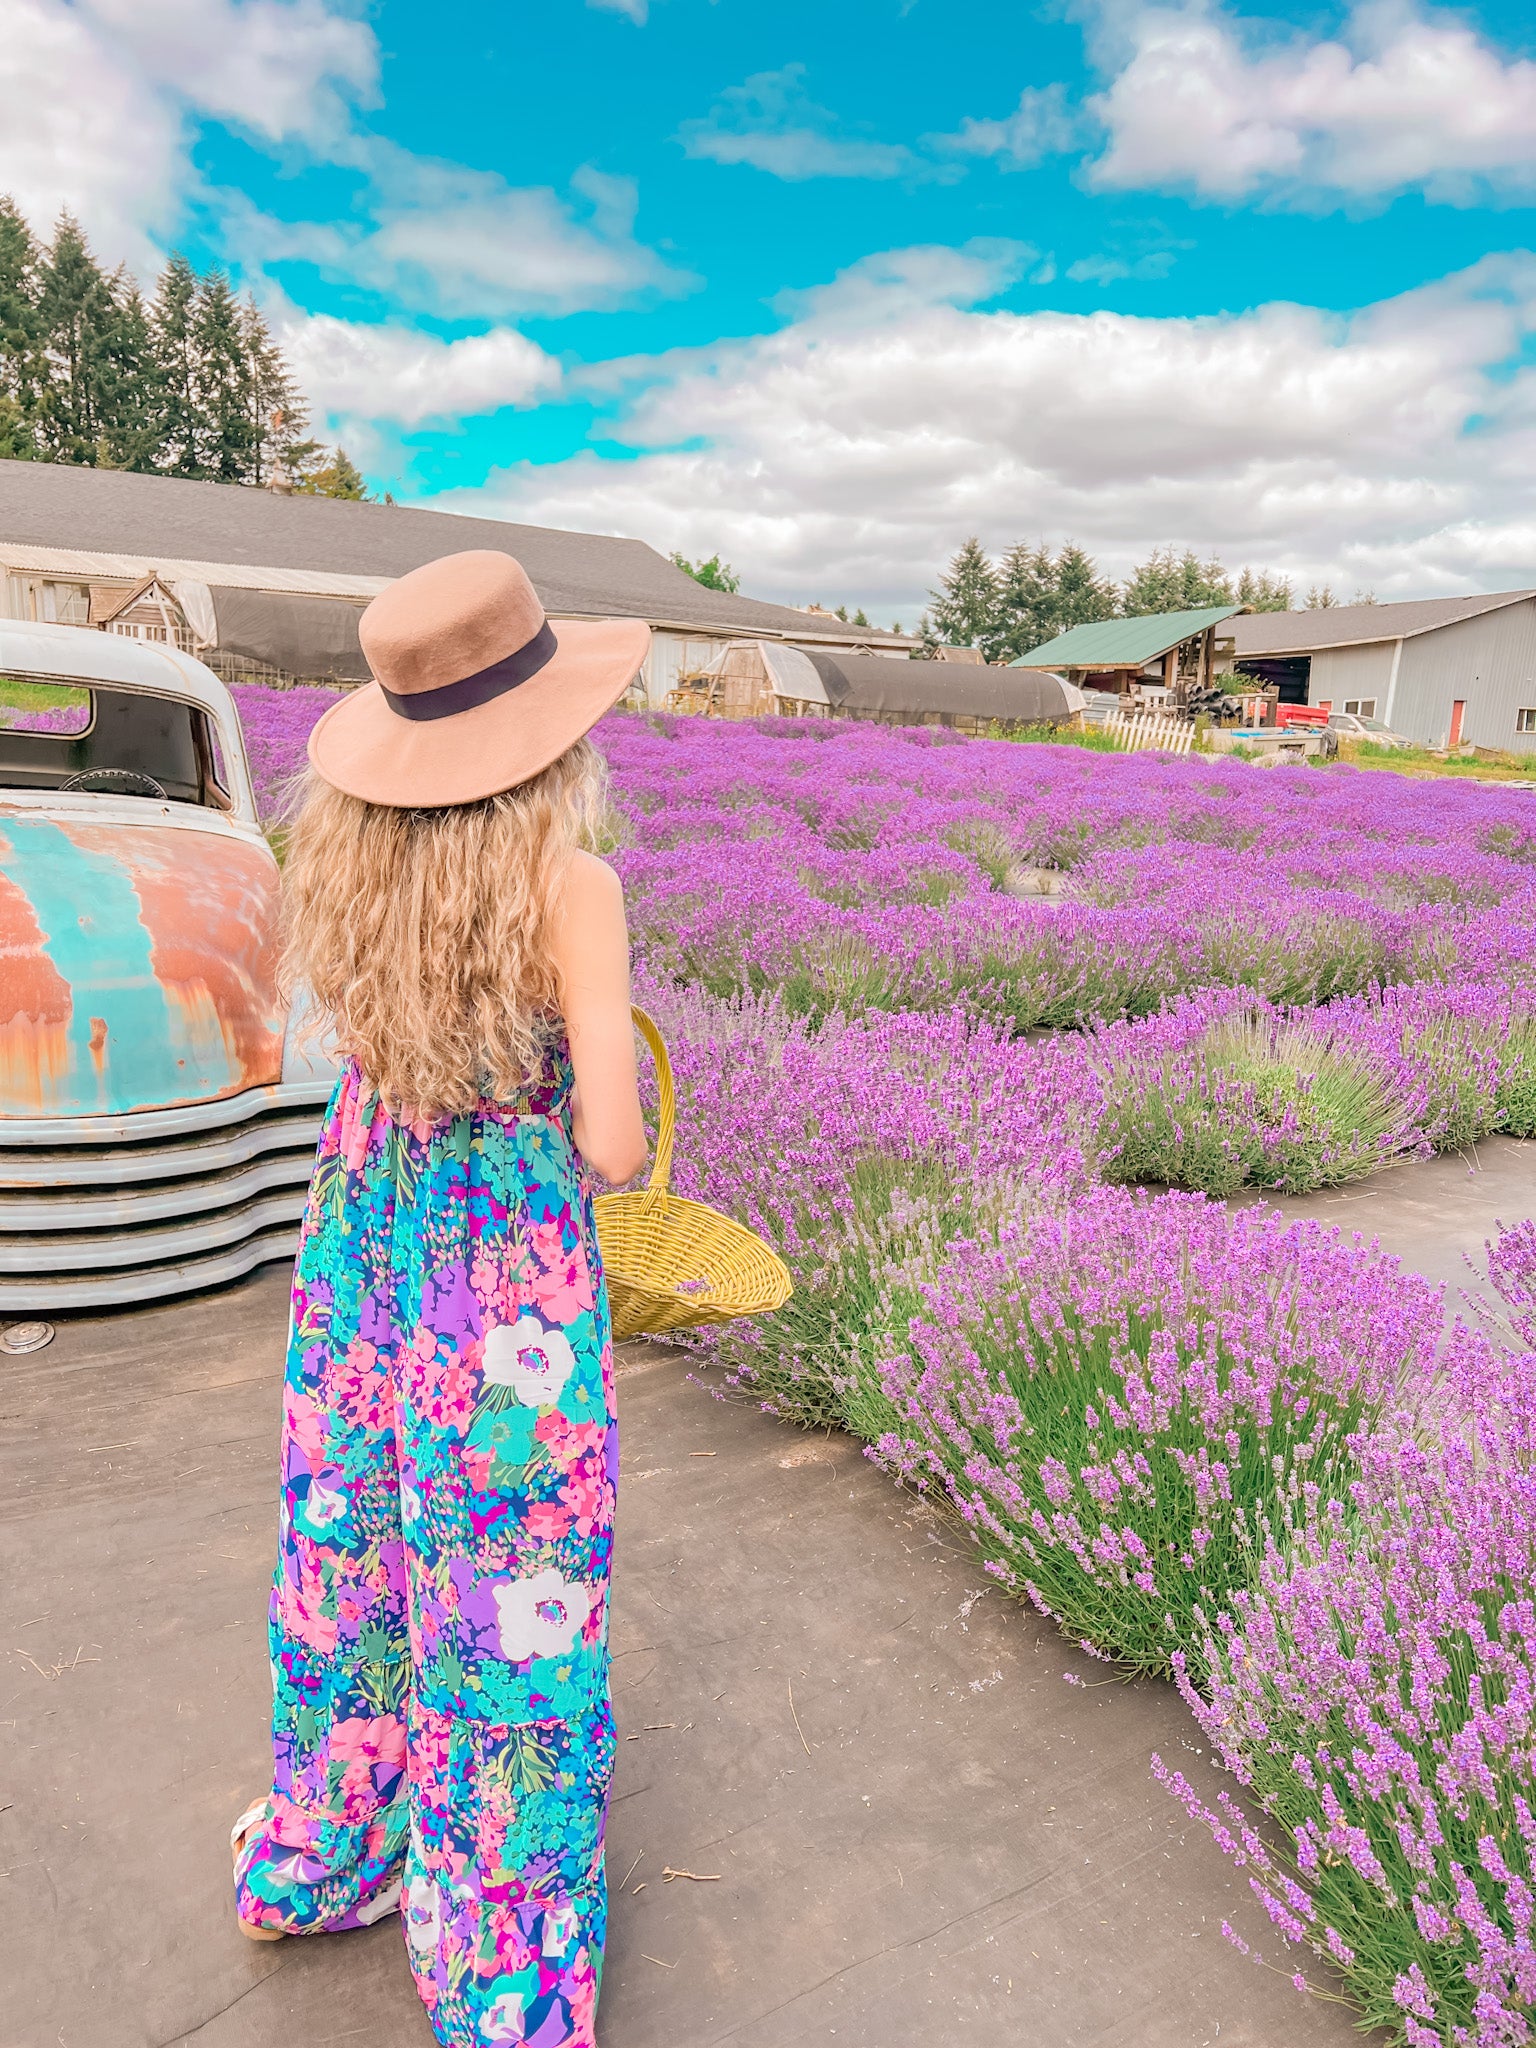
{"x":1353,"y":726}
{"x":158,"y":1112}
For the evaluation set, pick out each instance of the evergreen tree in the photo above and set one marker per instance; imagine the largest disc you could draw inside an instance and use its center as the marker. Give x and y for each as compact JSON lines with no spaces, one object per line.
{"x":1083,"y":597}
{"x":279,"y":414}
{"x":1041,"y":595}
{"x":226,"y":434}
{"x":1026,"y":602}
{"x":1171,"y":582}
{"x":21,"y":366}
{"x":339,"y":477}
{"x":965,"y":603}
{"x":77,"y":320}
{"x":859,"y":618}
{"x":176,"y":392}
{"x":129,"y":422}
{"x":1263,"y":592}
{"x":1321,"y":600}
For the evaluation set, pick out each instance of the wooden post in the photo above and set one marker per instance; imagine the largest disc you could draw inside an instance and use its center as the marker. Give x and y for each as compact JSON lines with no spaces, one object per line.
{"x":1207,"y":658}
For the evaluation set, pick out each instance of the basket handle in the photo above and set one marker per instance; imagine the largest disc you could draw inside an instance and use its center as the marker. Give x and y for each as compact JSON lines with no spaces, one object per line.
{"x":666,"y":1108}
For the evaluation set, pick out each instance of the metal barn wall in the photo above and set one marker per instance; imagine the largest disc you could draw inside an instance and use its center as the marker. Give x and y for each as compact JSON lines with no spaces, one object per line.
{"x":1349,"y":672}
{"x":1488,"y":662}
{"x":674,"y":654}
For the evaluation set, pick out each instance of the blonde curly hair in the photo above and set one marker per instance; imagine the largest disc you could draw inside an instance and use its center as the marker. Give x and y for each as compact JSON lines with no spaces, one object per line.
{"x":423,"y":936}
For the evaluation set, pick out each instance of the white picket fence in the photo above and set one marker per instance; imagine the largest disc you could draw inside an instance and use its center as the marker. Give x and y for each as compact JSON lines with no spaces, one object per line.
{"x":1137,"y":734}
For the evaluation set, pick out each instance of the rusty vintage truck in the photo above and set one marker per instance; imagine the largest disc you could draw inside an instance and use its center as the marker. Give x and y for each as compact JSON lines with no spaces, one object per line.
{"x":158,"y":1110}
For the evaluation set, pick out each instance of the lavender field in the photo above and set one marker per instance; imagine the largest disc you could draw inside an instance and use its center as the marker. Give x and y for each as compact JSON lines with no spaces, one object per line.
{"x":936,"y":1006}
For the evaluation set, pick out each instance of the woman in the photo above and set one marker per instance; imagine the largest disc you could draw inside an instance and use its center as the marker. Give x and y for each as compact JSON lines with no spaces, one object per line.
{"x":442,"y":1735}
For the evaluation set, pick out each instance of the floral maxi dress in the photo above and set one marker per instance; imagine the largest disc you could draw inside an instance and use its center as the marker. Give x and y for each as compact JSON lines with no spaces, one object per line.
{"x":441,"y":1733}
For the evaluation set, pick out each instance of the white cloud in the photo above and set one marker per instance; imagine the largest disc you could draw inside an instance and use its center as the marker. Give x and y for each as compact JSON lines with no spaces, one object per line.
{"x":771,"y":123}
{"x":636,"y":10}
{"x":1404,"y":99}
{"x":1155,"y":263}
{"x":846,"y":457}
{"x":448,"y":240}
{"x":1041,"y":125}
{"x":352,"y":372}
{"x":99,"y":97}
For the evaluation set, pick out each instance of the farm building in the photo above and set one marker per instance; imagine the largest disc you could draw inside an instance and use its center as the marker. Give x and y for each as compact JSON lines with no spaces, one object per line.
{"x":1440,"y":670}
{"x":756,"y":678}
{"x":269,"y":587}
{"x":1169,"y":656}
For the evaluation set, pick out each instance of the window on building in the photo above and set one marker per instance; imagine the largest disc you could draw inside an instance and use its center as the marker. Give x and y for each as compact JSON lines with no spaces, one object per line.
{"x":1525,"y":721}
{"x":1360,"y":707}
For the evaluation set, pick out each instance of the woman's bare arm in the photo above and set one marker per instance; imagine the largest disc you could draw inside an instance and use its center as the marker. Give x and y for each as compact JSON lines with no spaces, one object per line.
{"x":590,"y":944}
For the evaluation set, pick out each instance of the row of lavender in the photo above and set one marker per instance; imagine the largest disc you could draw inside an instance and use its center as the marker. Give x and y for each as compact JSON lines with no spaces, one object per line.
{"x":1251,"y":920}
{"x":1207,"y":1442}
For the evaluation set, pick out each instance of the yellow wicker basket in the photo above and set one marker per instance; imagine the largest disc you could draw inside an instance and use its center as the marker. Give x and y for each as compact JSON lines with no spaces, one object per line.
{"x":672,"y":1264}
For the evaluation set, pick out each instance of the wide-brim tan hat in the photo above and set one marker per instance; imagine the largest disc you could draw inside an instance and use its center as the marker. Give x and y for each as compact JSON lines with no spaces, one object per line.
{"x":474,"y":690}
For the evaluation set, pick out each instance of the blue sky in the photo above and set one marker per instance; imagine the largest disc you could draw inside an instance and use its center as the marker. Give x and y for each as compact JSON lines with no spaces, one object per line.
{"x":831,"y":287}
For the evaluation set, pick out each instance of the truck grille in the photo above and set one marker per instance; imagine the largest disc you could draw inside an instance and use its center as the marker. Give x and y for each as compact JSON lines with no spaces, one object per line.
{"x":102,"y":1211}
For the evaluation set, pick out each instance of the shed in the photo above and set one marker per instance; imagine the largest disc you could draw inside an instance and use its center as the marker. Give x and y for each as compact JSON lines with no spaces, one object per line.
{"x":1174,"y":651}
{"x":1440,"y":670}
{"x":959,"y":694}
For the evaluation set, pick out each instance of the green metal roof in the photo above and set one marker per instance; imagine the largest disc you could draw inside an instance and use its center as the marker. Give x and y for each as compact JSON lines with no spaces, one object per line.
{"x":1124,"y":643}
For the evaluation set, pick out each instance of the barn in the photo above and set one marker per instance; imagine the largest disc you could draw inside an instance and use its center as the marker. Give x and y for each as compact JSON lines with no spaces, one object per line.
{"x":1444,"y":671}
{"x":268,"y":587}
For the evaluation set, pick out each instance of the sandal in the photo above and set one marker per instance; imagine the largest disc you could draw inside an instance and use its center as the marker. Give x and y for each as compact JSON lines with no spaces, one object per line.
{"x":239,"y":1835}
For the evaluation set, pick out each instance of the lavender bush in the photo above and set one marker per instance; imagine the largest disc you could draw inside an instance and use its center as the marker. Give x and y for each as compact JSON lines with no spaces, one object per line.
{"x":1114,"y":1395}
{"x":1375,"y":1696}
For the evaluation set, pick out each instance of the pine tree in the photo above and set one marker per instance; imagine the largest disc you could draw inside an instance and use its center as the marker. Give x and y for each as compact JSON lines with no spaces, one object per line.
{"x":176,"y":369}
{"x":965,"y":603}
{"x":22,"y":370}
{"x":1026,"y":603}
{"x":1172,"y":582}
{"x":279,"y":414}
{"x":226,"y":435}
{"x":77,"y":321}
{"x":129,"y":423}
{"x":337,"y":478}
{"x":1083,"y":597}
{"x":1262,"y":592}
{"x":1321,"y":600}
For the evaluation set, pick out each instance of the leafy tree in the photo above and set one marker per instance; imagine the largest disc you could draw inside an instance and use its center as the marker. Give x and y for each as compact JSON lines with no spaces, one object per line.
{"x":1263,"y":592}
{"x":966,"y":601}
{"x":713,"y":574}
{"x":338,"y":477}
{"x":1171,"y":582}
{"x":226,"y":440}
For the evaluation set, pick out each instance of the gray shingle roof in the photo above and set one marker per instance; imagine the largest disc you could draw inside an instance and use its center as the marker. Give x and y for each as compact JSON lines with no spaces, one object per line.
{"x":1351,"y":625}
{"x":56,"y":505}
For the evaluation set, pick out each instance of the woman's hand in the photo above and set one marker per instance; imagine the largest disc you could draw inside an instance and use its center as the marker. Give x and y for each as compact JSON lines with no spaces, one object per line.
{"x":590,"y":944}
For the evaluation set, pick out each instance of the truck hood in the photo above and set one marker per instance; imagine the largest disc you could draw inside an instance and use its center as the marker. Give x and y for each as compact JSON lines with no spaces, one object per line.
{"x":137,"y":964}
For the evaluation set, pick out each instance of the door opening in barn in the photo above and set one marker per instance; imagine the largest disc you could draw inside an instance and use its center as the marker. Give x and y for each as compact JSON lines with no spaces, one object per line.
{"x":1458,"y":713}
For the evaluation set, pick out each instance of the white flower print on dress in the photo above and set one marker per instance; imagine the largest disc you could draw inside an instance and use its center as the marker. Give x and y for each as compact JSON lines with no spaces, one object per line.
{"x":423,"y":1913}
{"x":541,"y":1616}
{"x":382,"y":1904}
{"x":502,"y":2019}
{"x":534,"y":1362}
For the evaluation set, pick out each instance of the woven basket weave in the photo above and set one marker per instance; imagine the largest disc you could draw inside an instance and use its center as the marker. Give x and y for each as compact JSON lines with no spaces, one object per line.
{"x":672,"y":1264}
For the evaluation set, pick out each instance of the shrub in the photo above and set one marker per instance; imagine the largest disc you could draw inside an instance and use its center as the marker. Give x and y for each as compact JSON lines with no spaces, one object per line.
{"x":1113,"y":1395}
{"x":1375,"y":1695}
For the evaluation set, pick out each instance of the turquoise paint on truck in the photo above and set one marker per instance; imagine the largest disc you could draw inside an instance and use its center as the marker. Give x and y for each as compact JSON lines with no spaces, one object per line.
{"x":129,"y":1044}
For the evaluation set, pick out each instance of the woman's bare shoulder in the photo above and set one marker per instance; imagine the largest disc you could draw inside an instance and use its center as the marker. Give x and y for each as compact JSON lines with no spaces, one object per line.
{"x":590,"y":884}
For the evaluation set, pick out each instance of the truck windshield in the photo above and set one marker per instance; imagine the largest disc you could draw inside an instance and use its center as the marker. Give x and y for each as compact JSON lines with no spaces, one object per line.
{"x":61,"y":735}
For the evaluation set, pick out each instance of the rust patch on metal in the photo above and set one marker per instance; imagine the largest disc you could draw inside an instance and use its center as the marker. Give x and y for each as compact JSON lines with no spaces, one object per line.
{"x":210,"y":906}
{"x":35,"y":1008}
{"x":99,"y":1045}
